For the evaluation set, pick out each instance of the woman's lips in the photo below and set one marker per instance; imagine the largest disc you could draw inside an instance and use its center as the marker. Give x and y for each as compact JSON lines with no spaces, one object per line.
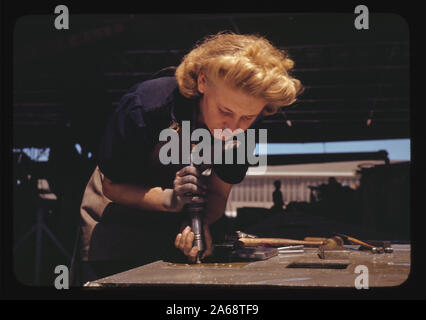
{"x":222,"y":135}
{"x":226,"y":134}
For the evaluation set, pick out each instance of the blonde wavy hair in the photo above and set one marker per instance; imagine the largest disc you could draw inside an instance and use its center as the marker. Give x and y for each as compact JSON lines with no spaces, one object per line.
{"x":247,"y":62}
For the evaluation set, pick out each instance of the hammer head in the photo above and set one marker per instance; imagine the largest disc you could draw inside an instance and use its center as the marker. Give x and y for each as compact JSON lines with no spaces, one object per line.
{"x":332,"y":243}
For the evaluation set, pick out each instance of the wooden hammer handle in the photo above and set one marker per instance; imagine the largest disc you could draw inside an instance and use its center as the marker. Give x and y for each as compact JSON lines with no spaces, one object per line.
{"x":250,"y":242}
{"x":314,"y":239}
{"x":362,"y":243}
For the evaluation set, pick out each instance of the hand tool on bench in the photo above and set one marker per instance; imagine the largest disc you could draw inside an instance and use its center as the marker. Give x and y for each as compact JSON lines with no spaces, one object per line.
{"x":276,"y":242}
{"x":314,"y":239}
{"x":301,"y":246}
{"x":330,"y":243}
{"x":250,"y":247}
{"x":291,"y":249}
{"x":229,"y":251}
{"x":241,"y":234}
{"x":321,"y":252}
{"x":373,"y":249}
{"x":386,"y":245}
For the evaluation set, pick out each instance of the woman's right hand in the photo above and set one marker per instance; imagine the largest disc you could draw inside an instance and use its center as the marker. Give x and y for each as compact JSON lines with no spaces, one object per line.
{"x":188,"y":187}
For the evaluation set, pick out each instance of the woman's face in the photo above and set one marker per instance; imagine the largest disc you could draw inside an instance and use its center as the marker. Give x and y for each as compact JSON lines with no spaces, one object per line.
{"x":222,"y":107}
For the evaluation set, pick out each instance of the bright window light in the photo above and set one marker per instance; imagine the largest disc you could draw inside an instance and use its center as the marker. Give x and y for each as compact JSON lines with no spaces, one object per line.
{"x":398,"y":149}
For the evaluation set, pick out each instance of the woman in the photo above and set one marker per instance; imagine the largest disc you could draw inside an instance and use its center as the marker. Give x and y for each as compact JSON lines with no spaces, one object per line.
{"x":132,"y":206}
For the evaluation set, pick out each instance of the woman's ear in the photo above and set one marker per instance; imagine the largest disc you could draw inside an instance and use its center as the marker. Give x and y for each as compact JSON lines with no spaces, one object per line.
{"x":201,"y":83}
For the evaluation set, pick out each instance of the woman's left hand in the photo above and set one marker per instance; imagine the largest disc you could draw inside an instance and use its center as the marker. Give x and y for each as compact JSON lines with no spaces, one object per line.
{"x":184,"y":241}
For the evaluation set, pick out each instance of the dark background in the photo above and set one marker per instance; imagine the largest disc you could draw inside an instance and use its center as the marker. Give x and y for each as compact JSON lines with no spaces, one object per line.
{"x":67,"y":82}
{"x":78,"y":75}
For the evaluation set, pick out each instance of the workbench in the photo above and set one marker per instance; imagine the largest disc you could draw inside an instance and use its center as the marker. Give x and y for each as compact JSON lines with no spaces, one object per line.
{"x":336,"y":269}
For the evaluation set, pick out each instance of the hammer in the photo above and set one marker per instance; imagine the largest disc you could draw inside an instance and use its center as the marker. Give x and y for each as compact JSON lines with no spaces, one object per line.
{"x":330,"y":243}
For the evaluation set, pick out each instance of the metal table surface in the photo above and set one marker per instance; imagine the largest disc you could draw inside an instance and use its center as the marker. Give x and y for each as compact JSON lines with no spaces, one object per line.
{"x":338,"y":269}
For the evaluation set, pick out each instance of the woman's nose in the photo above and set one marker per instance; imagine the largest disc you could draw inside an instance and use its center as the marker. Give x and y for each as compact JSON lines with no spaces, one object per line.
{"x":232,"y":124}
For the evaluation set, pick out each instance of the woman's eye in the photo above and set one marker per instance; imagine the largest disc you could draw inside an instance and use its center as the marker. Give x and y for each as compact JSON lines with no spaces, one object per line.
{"x":248,"y":118}
{"x":224,"y":112}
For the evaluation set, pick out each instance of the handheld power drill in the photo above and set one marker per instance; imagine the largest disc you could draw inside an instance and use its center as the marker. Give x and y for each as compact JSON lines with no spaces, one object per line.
{"x":195,"y":211}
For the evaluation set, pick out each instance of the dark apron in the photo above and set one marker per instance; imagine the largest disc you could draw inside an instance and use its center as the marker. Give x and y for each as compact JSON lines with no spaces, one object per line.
{"x":113,"y":231}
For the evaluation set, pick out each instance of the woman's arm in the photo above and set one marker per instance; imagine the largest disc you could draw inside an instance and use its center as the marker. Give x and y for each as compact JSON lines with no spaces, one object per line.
{"x":155,"y":198}
{"x":144,"y":198}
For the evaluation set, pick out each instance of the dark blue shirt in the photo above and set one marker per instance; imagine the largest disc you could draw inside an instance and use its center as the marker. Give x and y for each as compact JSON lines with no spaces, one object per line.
{"x":132,"y":135}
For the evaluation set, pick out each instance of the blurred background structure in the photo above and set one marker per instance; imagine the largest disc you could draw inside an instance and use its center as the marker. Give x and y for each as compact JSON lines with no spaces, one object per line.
{"x":67,"y":83}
